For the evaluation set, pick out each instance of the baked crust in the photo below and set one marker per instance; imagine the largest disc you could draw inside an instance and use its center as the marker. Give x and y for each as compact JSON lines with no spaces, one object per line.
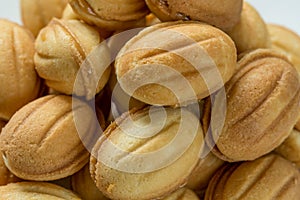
{"x":19,"y":82}
{"x":179,"y":61}
{"x":64,"y":58}
{"x":35,"y":190}
{"x":36,"y":14}
{"x":269,"y":177}
{"x":251,"y":31}
{"x":222,"y":14}
{"x":119,"y":15}
{"x":287,"y":42}
{"x":41,"y":142}
{"x":117,"y":180}
{"x":262,"y":107}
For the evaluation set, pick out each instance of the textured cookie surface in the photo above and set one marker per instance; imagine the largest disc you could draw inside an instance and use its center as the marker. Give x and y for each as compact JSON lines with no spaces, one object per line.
{"x":117,"y":15}
{"x":286,"y":41}
{"x":35,"y":191}
{"x":42,"y":141}
{"x":148,"y":160}
{"x":222,"y":14}
{"x":65,"y":58}
{"x":262,"y":107}
{"x":36,"y":14}
{"x":251,"y":32}
{"x":19,"y":83}
{"x":174,"y":62}
{"x":269,"y":177}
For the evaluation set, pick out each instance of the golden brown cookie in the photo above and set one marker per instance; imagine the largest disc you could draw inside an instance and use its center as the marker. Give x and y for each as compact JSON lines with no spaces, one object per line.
{"x":290,"y":148}
{"x":286,"y":41}
{"x":19,"y":83}
{"x":203,"y":172}
{"x":148,"y":157}
{"x":174,"y":63}
{"x":182,"y":194}
{"x":84,"y":186}
{"x":65,"y":55}
{"x":36,"y":14}
{"x":262,"y":107}
{"x":35,"y":190}
{"x":43,"y":140}
{"x":69,"y":14}
{"x":111,"y":15}
{"x":222,"y":14}
{"x":269,"y":177}
{"x":251,"y":32}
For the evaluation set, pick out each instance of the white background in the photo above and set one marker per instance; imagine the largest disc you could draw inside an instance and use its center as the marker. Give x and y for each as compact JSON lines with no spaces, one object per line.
{"x":284,"y":12}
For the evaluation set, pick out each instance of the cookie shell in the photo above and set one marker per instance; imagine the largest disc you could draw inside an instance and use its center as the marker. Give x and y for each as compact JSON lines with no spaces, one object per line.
{"x":36,"y":14}
{"x":262,"y":108}
{"x":65,"y":56}
{"x":157,"y":65}
{"x":42,"y":142}
{"x":269,"y":177}
{"x":223,"y":15}
{"x":36,"y":190}
{"x":119,"y":181}
{"x":19,"y":82}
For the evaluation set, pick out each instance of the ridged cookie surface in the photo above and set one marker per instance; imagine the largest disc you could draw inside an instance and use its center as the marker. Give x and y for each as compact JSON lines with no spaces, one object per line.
{"x":42,"y":142}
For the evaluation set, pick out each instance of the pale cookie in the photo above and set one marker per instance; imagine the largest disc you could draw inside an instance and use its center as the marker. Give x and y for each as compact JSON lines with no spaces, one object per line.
{"x":147,"y":158}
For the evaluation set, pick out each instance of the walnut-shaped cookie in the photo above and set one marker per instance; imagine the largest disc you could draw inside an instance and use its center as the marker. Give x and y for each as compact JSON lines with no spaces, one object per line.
{"x":147,"y":154}
{"x":269,"y":177}
{"x":36,"y":14}
{"x":251,"y":32}
{"x":175,"y":63}
{"x":72,"y":58}
{"x":111,"y":15}
{"x":45,"y":140}
{"x":222,"y":14}
{"x":262,"y":107}
{"x":287,"y":42}
{"x":19,"y":82}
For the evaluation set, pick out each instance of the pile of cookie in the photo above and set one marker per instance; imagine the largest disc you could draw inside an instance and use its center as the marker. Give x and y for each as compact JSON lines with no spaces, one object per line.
{"x":154,"y":99}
